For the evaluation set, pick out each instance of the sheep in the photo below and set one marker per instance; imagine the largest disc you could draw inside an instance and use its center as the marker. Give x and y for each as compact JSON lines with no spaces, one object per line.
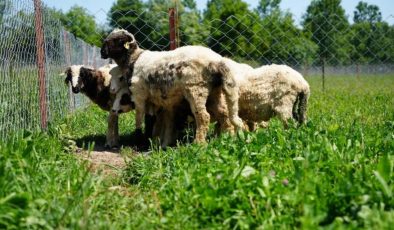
{"x":158,"y":130}
{"x":270,"y":90}
{"x":94,"y":83}
{"x":164,"y":78}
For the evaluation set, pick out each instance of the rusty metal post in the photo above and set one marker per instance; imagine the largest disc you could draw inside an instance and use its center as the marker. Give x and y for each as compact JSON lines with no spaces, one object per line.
{"x":67,"y":54}
{"x":39,"y":30}
{"x":172,"y":21}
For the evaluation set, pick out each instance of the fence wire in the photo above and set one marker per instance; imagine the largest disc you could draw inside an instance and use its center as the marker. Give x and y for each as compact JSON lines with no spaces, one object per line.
{"x":343,"y":48}
{"x":19,"y":83}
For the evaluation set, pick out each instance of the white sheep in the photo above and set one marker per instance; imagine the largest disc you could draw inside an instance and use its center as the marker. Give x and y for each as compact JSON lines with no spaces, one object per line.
{"x":270,"y":90}
{"x":95,"y":84}
{"x":165,"y":78}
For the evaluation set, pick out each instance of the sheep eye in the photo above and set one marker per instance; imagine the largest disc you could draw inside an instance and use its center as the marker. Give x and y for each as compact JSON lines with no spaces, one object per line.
{"x":121,"y":78}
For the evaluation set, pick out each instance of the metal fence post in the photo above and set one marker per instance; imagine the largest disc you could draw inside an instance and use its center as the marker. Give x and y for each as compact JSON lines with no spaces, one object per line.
{"x":172,"y":21}
{"x":85,"y":55}
{"x":39,"y":32}
{"x":67,"y":54}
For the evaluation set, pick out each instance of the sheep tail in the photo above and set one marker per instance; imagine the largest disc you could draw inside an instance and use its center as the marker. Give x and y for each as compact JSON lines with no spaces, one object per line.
{"x":222,"y":76}
{"x":300,"y":107}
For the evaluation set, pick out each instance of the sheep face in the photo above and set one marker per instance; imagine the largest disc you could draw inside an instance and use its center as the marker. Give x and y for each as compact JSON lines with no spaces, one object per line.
{"x":123,"y":102}
{"x":118,"y":44}
{"x":118,"y":81}
{"x":75,"y":75}
{"x":72,"y":77}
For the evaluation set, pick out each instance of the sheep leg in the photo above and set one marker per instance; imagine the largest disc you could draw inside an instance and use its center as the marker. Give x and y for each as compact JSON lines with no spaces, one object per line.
{"x":168,"y":134}
{"x":116,"y":130}
{"x":217,"y":107}
{"x":112,"y":138}
{"x":232,"y":96}
{"x":197,"y":98}
{"x":139,"y":118}
{"x":149,"y":124}
{"x":158,"y":125}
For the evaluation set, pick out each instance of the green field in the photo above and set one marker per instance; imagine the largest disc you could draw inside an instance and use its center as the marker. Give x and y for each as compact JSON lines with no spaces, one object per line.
{"x":334,"y":172}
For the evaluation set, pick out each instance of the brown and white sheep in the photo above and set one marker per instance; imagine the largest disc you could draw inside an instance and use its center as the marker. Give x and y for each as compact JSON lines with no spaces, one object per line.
{"x":164,"y":78}
{"x":94,"y":83}
{"x":161,"y":130}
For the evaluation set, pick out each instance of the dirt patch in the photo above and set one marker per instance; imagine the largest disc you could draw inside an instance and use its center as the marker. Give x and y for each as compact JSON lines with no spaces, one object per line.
{"x":107,"y":162}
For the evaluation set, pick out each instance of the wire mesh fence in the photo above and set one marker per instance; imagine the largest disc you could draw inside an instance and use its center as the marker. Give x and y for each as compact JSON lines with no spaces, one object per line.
{"x":19,"y":81}
{"x":365,"y":46}
{"x":321,"y":41}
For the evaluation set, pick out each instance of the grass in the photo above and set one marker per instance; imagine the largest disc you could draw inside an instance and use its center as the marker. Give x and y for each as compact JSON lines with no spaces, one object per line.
{"x":334,"y":172}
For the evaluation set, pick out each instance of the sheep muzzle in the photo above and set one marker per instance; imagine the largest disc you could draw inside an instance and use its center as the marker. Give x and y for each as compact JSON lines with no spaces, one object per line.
{"x":76,"y":89}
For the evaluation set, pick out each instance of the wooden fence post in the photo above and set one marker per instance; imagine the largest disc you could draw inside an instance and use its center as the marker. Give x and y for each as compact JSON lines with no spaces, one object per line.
{"x":40,"y":44}
{"x":172,"y":20}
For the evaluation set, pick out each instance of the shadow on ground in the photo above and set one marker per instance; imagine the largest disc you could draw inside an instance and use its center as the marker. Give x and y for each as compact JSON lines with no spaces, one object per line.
{"x":98,"y":140}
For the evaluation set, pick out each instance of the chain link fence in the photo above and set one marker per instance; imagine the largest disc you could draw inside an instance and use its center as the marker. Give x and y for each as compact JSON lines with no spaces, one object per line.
{"x":20,"y":101}
{"x":328,"y":44}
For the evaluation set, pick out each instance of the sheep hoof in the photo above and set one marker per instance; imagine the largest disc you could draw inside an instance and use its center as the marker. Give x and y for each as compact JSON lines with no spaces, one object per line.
{"x":139,"y":136}
{"x":111,"y":146}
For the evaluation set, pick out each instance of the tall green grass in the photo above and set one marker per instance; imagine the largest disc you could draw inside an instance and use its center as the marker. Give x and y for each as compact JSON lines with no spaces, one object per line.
{"x":334,"y":172}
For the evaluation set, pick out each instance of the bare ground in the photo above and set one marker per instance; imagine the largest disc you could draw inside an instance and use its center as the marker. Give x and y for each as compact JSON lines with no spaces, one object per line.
{"x":109,"y":162}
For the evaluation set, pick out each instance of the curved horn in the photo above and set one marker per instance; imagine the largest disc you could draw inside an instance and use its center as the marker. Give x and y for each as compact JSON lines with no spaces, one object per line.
{"x":132,"y":39}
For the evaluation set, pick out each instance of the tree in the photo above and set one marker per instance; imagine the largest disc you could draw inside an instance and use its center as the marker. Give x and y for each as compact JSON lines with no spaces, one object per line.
{"x":284,"y":42}
{"x":372,"y":39}
{"x":232,"y":28}
{"x":192,"y":31}
{"x":267,"y":7}
{"x":78,"y":22}
{"x":325,"y":20}
{"x":367,"y":13}
{"x":372,"y":42}
{"x":131,"y":15}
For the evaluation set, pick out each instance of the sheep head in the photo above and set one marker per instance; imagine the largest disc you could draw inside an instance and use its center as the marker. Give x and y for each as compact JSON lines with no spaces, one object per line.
{"x":75,"y":75}
{"x":123,"y":102}
{"x":118,"y":44}
{"x":118,"y":81}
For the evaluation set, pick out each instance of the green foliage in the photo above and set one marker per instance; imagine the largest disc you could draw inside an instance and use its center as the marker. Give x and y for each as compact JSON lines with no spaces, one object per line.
{"x":327,"y":23}
{"x":267,"y":7}
{"x":367,"y":13}
{"x":232,"y":27}
{"x":263,"y":35}
{"x":131,"y":15}
{"x":336,"y":171}
{"x":372,"y":39}
{"x":284,"y":42}
{"x":18,"y":45}
{"x":82,"y":25}
{"x":191,"y":30}
{"x":372,"y":42}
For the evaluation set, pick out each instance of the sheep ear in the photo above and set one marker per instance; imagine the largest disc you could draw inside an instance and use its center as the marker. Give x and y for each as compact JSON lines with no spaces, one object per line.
{"x":127,"y":45}
{"x":62,"y":74}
